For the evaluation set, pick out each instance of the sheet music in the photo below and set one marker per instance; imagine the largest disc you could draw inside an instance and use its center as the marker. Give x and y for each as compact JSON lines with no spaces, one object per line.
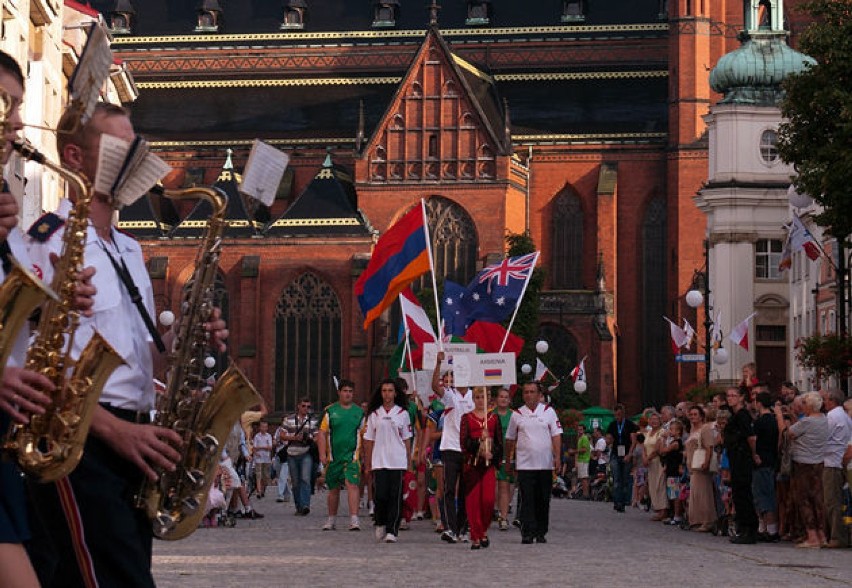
{"x":141,"y":170}
{"x":264,"y":171}
{"x":92,"y":71}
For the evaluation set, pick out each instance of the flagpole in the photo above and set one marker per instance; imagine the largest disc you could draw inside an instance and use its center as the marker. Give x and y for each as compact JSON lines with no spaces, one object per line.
{"x":432,"y":268}
{"x":518,"y":304}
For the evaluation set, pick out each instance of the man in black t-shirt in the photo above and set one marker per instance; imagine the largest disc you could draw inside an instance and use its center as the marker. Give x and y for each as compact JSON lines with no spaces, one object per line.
{"x":623,"y":432}
{"x":763,"y":479}
{"x":740,"y":444}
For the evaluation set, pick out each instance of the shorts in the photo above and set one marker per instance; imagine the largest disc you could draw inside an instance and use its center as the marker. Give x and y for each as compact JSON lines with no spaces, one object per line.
{"x":763,"y":490}
{"x":673,"y":488}
{"x":504,"y":476}
{"x":641,"y":476}
{"x":582,"y":470}
{"x":228,"y":465}
{"x":339,"y":471}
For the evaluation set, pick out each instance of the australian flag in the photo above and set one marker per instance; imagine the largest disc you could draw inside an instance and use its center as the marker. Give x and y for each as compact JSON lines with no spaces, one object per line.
{"x":494,"y":293}
{"x":453,"y":309}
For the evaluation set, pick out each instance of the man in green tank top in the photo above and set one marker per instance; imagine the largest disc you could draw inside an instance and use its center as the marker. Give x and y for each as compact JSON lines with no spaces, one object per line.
{"x":584,"y":455}
{"x":339,"y":444}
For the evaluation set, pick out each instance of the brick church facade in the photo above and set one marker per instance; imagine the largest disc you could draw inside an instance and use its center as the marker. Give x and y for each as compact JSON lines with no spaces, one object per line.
{"x":578,"y":121}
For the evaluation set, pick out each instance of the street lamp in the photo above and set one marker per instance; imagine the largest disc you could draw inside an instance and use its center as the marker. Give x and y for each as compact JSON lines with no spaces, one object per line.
{"x":695,"y":298}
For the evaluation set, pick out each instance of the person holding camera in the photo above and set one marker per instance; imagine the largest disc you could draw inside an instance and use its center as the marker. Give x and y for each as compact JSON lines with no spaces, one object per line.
{"x":300,"y":430}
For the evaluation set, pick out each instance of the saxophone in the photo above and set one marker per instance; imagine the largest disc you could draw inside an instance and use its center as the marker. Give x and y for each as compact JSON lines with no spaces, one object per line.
{"x":50,"y":446}
{"x":21,"y":292}
{"x":175,"y":502}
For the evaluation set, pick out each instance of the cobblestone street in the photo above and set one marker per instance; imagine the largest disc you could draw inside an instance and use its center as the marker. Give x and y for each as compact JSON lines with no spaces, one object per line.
{"x":588,"y":544}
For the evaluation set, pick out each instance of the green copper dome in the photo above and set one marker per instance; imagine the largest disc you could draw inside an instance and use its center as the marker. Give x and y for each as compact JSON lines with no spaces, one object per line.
{"x":753,"y":73}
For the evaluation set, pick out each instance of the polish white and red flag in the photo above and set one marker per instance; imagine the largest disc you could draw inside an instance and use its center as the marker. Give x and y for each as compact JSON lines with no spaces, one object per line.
{"x":417,"y":322}
{"x":739,"y":334}
{"x":578,"y":374}
{"x":680,"y":338}
{"x":799,"y":238}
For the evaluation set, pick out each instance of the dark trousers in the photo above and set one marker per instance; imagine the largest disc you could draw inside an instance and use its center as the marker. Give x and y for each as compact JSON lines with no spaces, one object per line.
{"x":534,"y":487}
{"x":387,"y":499}
{"x":453,"y":489}
{"x":745,"y":515}
{"x":620,"y":481}
{"x":86,"y":531}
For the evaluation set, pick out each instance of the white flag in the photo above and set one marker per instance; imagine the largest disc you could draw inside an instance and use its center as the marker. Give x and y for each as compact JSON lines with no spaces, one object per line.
{"x":739,"y":334}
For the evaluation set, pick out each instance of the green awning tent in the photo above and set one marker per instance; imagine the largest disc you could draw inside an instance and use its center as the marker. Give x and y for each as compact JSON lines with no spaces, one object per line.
{"x":597,"y":416}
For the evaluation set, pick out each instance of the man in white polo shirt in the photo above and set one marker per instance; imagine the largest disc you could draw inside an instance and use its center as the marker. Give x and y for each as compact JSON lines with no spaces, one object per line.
{"x":534,"y":439}
{"x":456,"y":405}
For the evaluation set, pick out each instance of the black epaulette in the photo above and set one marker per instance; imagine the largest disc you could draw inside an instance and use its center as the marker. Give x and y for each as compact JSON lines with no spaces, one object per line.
{"x":126,"y":233}
{"x":43,"y":228}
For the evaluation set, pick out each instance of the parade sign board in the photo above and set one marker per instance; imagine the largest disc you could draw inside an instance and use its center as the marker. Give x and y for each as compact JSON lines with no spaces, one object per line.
{"x":484,"y":369}
{"x":430,"y":354}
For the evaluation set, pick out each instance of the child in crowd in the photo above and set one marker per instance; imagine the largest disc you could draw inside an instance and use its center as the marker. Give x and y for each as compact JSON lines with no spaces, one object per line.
{"x":671,"y":454}
{"x":640,"y":474}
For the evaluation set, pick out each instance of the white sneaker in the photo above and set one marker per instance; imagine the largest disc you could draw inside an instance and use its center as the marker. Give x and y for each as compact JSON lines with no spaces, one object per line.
{"x":464,"y":538}
{"x":419,"y":515}
{"x":329,"y":525}
{"x":354,"y":524}
{"x":380,"y":533}
{"x":372,"y":509}
{"x":403,"y":525}
{"x":390,"y":538}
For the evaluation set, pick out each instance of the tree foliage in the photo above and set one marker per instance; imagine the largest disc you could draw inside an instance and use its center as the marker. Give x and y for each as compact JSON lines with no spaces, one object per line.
{"x":817,"y":136}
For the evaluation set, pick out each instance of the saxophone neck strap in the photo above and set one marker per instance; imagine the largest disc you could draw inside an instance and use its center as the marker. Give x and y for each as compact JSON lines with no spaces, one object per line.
{"x":5,"y":250}
{"x":135,"y":297}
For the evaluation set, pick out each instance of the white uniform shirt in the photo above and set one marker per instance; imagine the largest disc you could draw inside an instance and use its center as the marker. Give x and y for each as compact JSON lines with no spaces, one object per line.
{"x":18,"y":246}
{"x":456,"y":405}
{"x":533,"y":430}
{"x":839,"y":430}
{"x":115,"y":316}
{"x":388,"y":431}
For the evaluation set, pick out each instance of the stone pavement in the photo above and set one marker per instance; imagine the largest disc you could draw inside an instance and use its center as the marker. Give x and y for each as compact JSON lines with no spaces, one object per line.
{"x":588,"y":544}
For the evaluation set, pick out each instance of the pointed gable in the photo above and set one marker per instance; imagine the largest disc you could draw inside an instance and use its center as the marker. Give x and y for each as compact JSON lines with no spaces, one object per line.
{"x":240,"y":222}
{"x":150,"y":217}
{"x":445,"y":122}
{"x":328,"y":206}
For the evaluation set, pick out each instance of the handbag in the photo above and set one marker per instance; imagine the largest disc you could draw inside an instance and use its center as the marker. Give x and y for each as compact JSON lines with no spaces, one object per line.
{"x":698,"y":458}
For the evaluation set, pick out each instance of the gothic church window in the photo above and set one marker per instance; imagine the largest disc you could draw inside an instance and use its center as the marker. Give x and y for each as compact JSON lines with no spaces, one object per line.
{"x":654,"y":338}
{"x":454,"y":241}
{"x":308,"y":342}
{"x":567,"y":244}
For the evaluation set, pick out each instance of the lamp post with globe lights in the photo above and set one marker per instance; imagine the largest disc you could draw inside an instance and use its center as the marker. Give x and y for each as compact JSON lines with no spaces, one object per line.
{"x":695,"y":298}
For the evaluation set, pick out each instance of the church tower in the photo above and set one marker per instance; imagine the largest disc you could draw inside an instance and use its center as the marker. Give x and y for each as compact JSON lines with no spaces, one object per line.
{"x":745,"y":196}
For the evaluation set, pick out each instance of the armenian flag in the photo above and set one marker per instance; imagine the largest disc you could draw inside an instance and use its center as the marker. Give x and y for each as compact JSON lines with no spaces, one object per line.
{"x":399,"y":258}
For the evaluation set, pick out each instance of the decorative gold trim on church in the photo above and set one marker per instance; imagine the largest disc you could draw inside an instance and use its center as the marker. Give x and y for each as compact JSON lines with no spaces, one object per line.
{"x":317,"y":222}
{"x":270,"y":83}
{"x":385,"y":34}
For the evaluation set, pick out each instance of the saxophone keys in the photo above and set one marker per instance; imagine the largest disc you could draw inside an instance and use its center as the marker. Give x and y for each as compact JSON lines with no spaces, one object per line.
{"x":163,"y":523}
{"x":190,"y":505}
{"x":196,"y":478}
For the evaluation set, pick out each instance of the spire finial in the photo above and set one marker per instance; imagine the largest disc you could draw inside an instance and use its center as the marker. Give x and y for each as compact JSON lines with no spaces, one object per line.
{"x":434,"y":8}
{"x":228,"y":163}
